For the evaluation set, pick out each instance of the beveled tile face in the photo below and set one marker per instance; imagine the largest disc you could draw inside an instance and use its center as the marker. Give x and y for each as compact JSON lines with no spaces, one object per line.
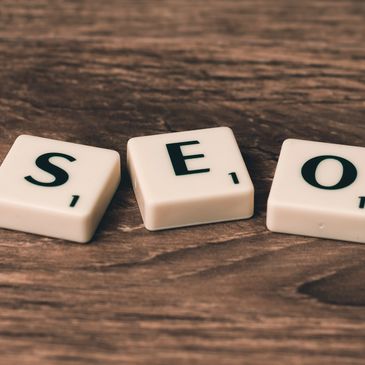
{"x":56,"y":188}
{"x":189,"y":178}
{"x":319,"y":190}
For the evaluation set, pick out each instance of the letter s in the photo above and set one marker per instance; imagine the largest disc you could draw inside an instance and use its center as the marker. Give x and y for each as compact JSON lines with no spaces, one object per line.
{"x":60,"y":175}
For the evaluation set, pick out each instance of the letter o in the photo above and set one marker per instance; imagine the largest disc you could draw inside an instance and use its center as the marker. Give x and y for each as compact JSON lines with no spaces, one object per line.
{"x":349,"y":174}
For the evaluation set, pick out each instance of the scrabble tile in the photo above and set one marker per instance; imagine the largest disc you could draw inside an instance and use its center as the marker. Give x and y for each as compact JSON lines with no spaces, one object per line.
{"x":319,"y":190}
{"x":189,"y":178}
{"x":56,"y":188}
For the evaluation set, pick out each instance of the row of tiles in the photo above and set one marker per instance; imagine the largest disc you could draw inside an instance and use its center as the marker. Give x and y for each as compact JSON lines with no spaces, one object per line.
{"x":62,"y":190}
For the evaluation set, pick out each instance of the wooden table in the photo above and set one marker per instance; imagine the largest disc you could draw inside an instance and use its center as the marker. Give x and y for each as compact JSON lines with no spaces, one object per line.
{"x":101,"y":72}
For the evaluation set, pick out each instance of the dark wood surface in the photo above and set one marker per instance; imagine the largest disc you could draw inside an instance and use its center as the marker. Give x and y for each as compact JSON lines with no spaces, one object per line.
{"x":99,"y":72}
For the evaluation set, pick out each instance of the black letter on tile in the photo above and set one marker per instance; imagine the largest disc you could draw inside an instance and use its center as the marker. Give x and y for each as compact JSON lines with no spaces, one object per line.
{"x":60,"y":175}
{"x":178,"y":159}
{"x":348,"y":176}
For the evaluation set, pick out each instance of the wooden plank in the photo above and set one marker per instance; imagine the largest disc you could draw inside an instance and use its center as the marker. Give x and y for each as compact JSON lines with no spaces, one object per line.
{"x":100,"y":73}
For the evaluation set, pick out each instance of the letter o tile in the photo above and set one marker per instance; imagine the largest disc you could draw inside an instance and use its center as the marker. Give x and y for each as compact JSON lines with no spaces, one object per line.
{"x":319,"y":190}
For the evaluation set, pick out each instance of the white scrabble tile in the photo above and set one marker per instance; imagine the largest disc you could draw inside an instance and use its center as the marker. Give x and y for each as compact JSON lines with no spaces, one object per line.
{"x":319,"y":190}
{"x":189,"y":178}
{"x":56,"y":188}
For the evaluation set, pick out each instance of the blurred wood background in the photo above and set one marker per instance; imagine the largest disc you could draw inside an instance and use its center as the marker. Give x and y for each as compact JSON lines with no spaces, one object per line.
{"x":100,"y":72}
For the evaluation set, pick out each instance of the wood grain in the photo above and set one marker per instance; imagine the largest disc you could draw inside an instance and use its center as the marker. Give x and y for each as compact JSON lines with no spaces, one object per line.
{"x":100,"y":72}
